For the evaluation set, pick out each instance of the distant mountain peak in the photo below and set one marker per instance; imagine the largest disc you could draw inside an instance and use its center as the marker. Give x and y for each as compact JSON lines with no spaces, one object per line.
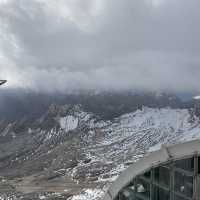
{"x":196,"y":97}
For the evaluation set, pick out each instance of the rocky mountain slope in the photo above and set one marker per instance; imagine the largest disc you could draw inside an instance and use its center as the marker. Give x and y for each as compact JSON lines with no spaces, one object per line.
{"x":72,"y":154}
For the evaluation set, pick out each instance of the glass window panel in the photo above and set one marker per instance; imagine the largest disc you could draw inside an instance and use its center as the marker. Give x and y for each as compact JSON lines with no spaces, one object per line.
{"x":160,"y":194}
{"x":183,"y":184}
{"x":198,"y":186}
{"x":198,"y":165}
{"x":162,"y":176}
{"x":138,"y":198}
{"x":186,"y":164}
{"x":117,"y":198}
{"x":143,"y":188}
{"x":177,"y":197}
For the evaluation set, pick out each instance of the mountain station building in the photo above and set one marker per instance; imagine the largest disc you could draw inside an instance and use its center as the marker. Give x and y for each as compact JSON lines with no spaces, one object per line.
{"x":171,"y":173}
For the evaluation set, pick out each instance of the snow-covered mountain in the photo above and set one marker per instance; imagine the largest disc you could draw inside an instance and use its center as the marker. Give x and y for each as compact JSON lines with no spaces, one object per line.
{"x":69,"y":153}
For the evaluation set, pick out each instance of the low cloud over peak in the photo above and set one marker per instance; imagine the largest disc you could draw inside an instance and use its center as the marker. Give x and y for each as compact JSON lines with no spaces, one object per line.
{"x":97,"y":44}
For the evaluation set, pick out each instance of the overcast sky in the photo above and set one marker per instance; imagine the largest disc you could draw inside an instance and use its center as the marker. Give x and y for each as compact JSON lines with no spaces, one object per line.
{"x":100,"y":44}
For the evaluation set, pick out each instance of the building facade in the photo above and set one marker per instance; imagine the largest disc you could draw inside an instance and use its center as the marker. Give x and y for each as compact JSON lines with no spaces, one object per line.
{"x":171,"y":173}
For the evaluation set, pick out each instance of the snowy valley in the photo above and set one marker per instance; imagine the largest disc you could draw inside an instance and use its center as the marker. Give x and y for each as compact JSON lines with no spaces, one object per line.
{"x":81,"y":154}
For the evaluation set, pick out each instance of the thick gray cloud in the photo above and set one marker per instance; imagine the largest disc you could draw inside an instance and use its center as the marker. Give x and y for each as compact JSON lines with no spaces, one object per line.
{"x":100,"y":44}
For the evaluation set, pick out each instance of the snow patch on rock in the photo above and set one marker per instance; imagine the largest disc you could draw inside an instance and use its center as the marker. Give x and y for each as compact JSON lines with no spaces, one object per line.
{"x":196,"y":97}
{"x":69,"y":123}
{"x":89,"y":194}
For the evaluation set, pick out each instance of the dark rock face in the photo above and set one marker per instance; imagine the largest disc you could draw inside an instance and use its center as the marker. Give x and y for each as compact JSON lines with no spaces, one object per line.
{"x":17,"y":104}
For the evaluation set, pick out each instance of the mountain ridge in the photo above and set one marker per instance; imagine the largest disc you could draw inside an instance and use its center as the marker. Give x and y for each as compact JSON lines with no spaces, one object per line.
{"x":81,"y":151}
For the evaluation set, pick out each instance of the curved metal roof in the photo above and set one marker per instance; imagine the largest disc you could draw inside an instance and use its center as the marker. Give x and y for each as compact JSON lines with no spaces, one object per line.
{"x":165,"y":154}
